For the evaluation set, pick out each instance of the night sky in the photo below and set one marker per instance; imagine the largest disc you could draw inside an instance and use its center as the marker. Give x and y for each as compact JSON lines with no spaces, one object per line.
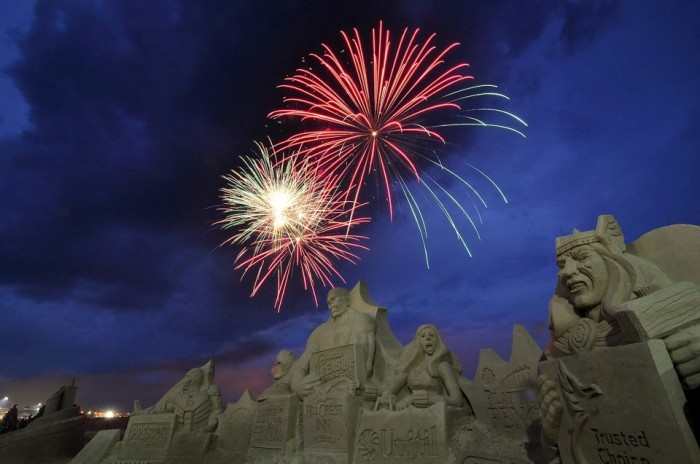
{"x":118,"y":119}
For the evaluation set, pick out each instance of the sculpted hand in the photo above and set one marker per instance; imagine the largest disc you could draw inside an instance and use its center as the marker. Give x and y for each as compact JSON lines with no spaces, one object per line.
{"x":684,"y":349}
{"x":549,"y":403}
{"x":421,"y":399}
{"x":308,"y":383}
{"x":353,"y":387}
{"x":370,"y":393}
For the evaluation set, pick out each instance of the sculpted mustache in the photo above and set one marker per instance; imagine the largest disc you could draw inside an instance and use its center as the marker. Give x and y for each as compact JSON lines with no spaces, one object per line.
{"x":586,"y":272}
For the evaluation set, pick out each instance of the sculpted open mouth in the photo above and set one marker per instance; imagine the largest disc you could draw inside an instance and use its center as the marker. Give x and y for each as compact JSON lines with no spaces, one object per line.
{"x":575,"y":286}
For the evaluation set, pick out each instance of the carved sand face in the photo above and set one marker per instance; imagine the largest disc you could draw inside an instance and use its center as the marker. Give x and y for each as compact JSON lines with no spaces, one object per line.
{"x":279,"y":368}
{"x":428,"y":340}
{"x":337,"y":303}
{"x":193,"y":380}
{"x":584,"y":274}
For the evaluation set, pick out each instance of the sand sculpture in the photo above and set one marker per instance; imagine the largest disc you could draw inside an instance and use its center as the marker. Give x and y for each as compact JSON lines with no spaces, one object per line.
{"x":612,"y":295}
{"x":615,"y":384}
{"x":54,"y":433}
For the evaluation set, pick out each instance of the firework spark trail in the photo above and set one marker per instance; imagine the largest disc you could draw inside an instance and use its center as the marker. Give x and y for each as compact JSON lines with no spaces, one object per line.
{"x":375,"y":116}
{"x":286,"y":217}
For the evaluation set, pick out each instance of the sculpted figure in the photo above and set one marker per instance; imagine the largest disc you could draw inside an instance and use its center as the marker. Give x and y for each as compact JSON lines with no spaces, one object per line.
{"x":281,"y":372}
{"x":195,"y":401}
{"x":345,"y":326}
{"x":596,"y":276}
{"x":428,"y":370}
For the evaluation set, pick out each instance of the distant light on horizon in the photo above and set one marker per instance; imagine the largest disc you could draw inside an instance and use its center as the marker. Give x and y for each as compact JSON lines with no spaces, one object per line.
{"x":106,"y":414}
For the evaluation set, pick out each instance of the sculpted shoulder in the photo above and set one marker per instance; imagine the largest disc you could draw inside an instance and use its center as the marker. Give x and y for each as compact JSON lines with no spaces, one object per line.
{"x":361,"y":320}
{"x":317,"y":335}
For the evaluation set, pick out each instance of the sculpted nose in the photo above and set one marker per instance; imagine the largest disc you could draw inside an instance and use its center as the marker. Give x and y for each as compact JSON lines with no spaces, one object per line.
{"x":568,"y":269}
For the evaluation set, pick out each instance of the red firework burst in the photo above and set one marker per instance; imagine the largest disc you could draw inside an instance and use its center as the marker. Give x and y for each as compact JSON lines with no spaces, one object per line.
{"x":373,"y":112}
